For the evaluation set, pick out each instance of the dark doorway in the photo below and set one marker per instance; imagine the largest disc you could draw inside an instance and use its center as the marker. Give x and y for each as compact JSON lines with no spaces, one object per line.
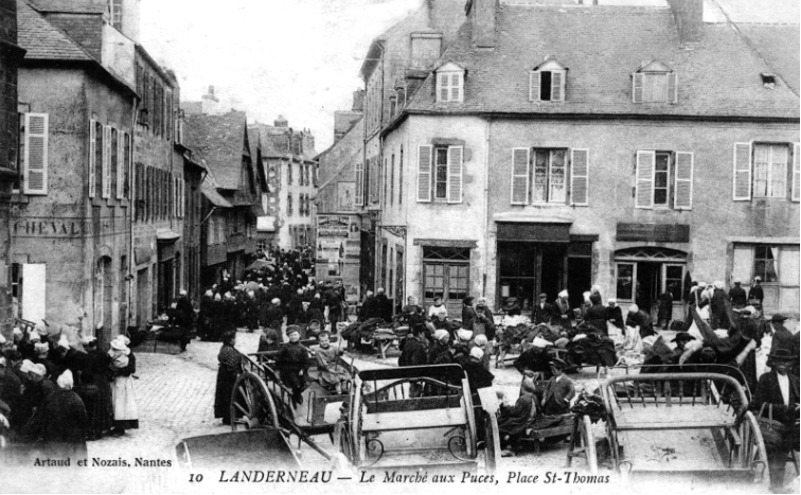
{"x":553,"y":259}
{"x":579,"y":279}
{"x":648,"y":284}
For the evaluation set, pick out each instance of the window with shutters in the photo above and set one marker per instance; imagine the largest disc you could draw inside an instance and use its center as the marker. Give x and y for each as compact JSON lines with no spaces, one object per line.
{"x":96,"y":175}
{"x":36,"y":134}
{"x":450,"y":83}
{"x":550,"y":176}
{"x":547,"y":81}
{"x":115,"y":7}
{"x":766,"y":170}
{"x":289,"y":204}
{"x":654,"y":82}
{"x":106,"y":163}
{"x":664,"y":179}
{"x":440,"y":174}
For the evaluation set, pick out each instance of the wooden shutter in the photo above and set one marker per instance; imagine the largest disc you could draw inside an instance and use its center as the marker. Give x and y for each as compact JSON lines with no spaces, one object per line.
{"x":36,"y":150}
{"x":672,"y":96}
{"x":443,"y":92}
{"x":534,"y":86}
{"x":742,"y":172}
{"x":106,"y":171}
{"x":92,"y":155}
{"x":579,"y":176}
{"x":636,"y":87}
{"x":557,"y":85}
{"x":121,"y":164}
{"x":521,"y":175}
{"x":646,"y":160}
{"x":683,"y":188}
{"x":455,"y":186}
{"x":34,"y":300}
{"x":359,"y":196}
{"x":424,"y":156}
{"x":796,"y":172}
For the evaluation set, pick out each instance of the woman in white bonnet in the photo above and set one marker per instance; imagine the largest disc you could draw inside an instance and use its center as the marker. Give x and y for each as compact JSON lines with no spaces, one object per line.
{"x":62,"y":423}
{"x":123,"y":365}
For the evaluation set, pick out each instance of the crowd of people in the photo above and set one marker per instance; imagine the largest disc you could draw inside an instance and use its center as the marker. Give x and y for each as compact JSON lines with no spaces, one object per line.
{"x":57,"y":396}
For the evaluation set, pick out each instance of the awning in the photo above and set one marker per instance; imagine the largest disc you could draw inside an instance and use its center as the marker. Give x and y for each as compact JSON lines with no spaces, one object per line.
{"x":167,"y":235}
{"x":539,"y":215}
{"x":214,"y":197}
{"x":534,"y":232}
{"x":142,"y":254}
{"x":256,"y":210}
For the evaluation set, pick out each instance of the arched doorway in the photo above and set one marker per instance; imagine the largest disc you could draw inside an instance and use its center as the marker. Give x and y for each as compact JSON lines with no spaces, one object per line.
{"x":644,"y":273}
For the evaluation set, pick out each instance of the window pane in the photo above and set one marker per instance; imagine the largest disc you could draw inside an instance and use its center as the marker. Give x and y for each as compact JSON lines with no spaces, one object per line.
{"x":540,"y":175}
{"x":545,"y":85}
{"x":778,"y":171}
{"x":660,"y":196}
{"x":557,"y":177}
{"x":760,"y":171}
{"x":625,"y":279}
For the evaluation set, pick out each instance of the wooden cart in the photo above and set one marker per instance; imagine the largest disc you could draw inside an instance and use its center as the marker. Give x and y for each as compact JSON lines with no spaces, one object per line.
{"x":693,"y":424}
{"x":414,"y":417}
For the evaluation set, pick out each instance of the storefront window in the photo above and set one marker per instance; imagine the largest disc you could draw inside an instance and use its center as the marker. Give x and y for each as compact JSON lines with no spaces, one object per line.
{"x":765,"y":263}
{"x":625,"y":281}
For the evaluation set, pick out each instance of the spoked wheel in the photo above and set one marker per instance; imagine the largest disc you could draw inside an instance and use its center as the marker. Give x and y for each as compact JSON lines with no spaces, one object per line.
{"x":582,"y":444}
{"x":492,"y":443}
{"x":753,"y":454}
{"x":252,"y":404}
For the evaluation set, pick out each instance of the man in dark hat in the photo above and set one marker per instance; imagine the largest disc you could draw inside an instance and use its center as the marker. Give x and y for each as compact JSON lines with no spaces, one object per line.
{"x":756,"y":294}
{"x":777,"y":397}
{"x":681,"y":340}
{"x":558,"y":391}
{"x":782,"y":337}
{"x":543,"y":311}
{"x":737,"y":295}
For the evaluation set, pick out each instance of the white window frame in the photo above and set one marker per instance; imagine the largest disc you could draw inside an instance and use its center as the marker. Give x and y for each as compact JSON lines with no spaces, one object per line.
{"x":557,"y":87}
{"x":550,"y":175}
{"x":451,"y":82}
{"x":106,"y":170}
{"x":643,"y":84}
{"x":770,"y":193}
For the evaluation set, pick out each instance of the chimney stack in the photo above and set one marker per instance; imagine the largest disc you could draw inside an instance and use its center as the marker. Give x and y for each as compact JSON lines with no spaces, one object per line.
{"x":484,"y":14}
{"x":358,"y":101}
{"x":689,"y":15}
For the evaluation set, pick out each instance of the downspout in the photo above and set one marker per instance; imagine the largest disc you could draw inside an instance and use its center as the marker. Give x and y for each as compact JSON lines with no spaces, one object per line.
{"x":487,"y":133}
{"x":131,"y":212}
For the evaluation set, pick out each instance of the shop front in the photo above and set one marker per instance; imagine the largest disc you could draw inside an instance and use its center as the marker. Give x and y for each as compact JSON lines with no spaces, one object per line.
{"x":535,"y":258}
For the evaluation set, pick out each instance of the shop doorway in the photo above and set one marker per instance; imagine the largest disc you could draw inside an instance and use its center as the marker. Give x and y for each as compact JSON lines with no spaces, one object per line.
{"x":579,"y":279}
{"x":649,"y":283}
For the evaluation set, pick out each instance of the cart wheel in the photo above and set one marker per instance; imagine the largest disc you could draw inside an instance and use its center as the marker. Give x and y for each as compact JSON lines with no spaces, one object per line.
{"x":753,"y":453}
{"x":492,"y":443}
{"x":252,"y":403}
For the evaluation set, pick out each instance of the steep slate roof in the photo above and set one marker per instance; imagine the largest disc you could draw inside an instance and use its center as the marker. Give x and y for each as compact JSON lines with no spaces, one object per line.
{"x":209,"y":189}
{"x":601,"y":46}
{"x":218,"y":141}
{"x":778,"y":45}
{"x":71,"y":6}
{"x":42,"y":40}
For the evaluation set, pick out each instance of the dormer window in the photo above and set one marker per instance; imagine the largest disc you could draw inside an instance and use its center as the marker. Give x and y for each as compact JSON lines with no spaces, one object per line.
{"x":547,"y":81}
{"x":768,"y":80}
{"x":450,"y":83}
{"x":654,"y":82}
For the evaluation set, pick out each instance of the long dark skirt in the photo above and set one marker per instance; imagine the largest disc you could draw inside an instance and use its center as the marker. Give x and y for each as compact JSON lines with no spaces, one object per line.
{"x":222,"y":394}
{"x":97,"y":398}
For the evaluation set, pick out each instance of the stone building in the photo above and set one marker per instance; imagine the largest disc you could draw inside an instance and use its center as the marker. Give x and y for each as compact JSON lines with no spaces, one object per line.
{"x":395,"y":65}
{"x":159,"y":189}
{"x":291,"y":167}
{"x":10,"y":57}
{"x":634,"y":148}
{"x":72,"y":206}
{"x":231,"y":192}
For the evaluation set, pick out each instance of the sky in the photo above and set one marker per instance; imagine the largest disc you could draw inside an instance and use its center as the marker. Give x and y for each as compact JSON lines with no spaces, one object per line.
{"x":296,"y":58}
{"x":301,"y":58}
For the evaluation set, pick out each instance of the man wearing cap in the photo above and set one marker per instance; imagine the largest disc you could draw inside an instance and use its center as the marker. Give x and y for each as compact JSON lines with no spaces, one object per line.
{"x":756,"y":294}
{"x":777,"y":396}
{"x":782,"y":337}
{"x":737,"y":295}
{"x":543,"y":311}
{"x":558,"y":391}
